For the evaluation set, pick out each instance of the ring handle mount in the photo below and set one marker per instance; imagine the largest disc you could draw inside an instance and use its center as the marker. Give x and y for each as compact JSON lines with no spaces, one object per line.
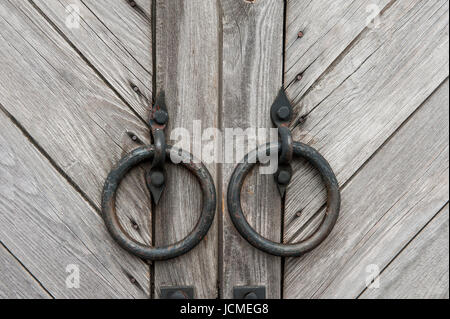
{"x":157,"y":154}
{"x":264,"y":244}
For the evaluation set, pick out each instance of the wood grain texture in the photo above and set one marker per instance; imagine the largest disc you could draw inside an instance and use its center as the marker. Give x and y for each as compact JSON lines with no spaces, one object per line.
{"x":187,"y":44}
{"x":48,"y":226}
{"x":15,"y":281}
{"x":252,"y":77}
{"x":421,"y":270}
{"x":354,"y":108}
{"x":384,"y":206}
{"x":70,"y":113}
{"x":116,"y":40}
{"x":329,"y":28}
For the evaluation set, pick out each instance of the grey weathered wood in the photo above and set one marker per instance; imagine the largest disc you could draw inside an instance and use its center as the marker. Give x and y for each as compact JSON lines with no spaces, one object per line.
{"x":421,"y":270}
{"x":48,"y":226}
{"x":15,"y":281}
{"x":252,"y":77}
{"x":329,"y":29}
{"x":187,"y":55}
{"x":68,"y":110}
{"x":386,"y":74}
{"x":384,"y":206}
{"x":115,"y":38}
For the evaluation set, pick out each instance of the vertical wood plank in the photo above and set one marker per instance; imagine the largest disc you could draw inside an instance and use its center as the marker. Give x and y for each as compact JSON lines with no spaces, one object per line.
{"x":187,"y":44}
{"x":252,"y":77}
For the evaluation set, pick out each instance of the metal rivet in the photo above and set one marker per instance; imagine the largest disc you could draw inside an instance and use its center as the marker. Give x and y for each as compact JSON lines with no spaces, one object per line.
{"x":178,"y":295}
{"x":284,"y":177}
{"x":300,"y":34}
{"x":251,"y":295}
{"x":301,"y":120}
{"x":161,"y":117}
{"x":299,"y":77}
{"x":283,"y":113}
{"x":157,"y":179}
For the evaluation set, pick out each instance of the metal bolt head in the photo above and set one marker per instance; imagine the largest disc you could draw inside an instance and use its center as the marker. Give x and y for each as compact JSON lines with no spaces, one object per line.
{"x":251,"y":295}
{"x":284,"y":177}
{"x":161,"y":117}
{"x":178,"y":295}
{"x":284,"y":113}
{"x":157,"y":179}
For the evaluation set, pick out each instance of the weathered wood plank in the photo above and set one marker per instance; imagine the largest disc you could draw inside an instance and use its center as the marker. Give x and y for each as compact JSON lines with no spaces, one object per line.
{"x":70,"y":112}
{"x":388,"y":202}
{"x":252,"y":77}
{"x":115,"y":38}
{"x":187,"y":44}
{"x":421,"y":270}
{"x":328,"y":28}
{"x":15,"y":281}
{"x":379,"y":82}
{"x":48,"y":226}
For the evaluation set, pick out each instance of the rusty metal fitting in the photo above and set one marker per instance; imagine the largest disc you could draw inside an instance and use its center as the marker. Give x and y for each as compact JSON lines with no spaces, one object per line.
{"x":266,"y":245}
{"x":146,"y":154}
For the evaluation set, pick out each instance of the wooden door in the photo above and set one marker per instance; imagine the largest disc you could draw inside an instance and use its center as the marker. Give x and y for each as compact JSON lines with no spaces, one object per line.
{"x":368,"y":81}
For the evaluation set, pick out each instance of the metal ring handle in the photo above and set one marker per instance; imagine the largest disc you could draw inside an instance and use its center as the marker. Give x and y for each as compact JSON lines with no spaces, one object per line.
{"x":268,"y":246}
{"x":112,"y":183}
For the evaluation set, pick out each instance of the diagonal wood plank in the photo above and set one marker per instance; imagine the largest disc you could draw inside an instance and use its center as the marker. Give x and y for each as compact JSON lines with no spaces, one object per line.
{"x":390,"y":200}
{"x":48,"y":226}
{"x":381,"y":80}
{"x":116,"y":40}
{"x":421,"y":270}
{"x":328,"y":28}
{"x":70,"y":113}
{"x":187,"y":44}
{"x":15,"y":281}
{"x":252,"y":77}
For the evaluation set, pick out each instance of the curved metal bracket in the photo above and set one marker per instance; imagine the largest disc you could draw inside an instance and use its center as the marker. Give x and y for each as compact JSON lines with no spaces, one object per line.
{"x":156,"y":177}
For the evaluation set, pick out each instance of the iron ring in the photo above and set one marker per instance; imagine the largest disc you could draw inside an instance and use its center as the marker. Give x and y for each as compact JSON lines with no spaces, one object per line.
{"x":266,"y":245}
{"x":112,"y":183}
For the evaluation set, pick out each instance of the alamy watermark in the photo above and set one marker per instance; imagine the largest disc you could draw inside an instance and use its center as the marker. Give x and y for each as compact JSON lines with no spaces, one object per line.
{"x":73,"y":279}
{"x":73,"y":17}
{"x":374,"y":19}
{"x":373,"y":276}
{"x":230,"y":146}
